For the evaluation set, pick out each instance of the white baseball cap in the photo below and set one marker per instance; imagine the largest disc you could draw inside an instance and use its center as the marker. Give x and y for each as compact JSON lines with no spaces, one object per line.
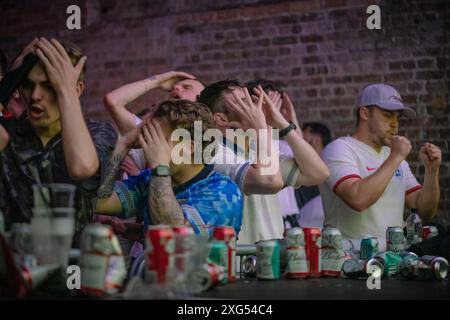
{"x":385,"y":97}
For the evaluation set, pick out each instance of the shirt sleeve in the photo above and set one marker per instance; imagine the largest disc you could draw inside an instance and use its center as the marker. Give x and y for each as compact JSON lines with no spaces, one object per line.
{"x":133,"y":193}
{"x":411,"y":182}
{"x":231,"y":165}
{"x":104,"y":138}
{"x":340,"y":161}
{"x":289,"y":170}
{"x":215,"y":201}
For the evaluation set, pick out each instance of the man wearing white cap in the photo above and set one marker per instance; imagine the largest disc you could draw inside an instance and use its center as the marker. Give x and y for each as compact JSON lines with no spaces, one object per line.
{"x":370,"y":181}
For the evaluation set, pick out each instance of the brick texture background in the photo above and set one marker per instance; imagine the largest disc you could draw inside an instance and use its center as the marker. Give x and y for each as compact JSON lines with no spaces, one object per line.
{"x":320,"y":48}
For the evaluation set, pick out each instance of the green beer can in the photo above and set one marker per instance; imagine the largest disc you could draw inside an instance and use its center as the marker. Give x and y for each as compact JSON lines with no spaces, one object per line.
{"x":268,"y":260}
{"x":391,"y":262}
{"x":218,"y":254}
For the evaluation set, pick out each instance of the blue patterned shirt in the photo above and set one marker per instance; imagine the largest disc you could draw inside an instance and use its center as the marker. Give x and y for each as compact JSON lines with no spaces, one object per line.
{"x":209,"y":199}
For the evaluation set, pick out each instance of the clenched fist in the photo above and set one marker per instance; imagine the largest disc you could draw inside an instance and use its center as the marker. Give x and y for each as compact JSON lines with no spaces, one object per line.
{"x":431,"y":156}
{"x":400,"y":146}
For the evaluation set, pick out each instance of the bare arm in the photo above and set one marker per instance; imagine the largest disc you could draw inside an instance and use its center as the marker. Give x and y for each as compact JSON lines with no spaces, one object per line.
{"x":313,"y":170}
{"x":79,"y":150}
{"x":164,"y":207}
{"x":117,"y":100}
{"x":426,"y":200}
{"x":107,"y":200}
{"x":259,"y":179}
{"x":360,"y":194}
{"x":4,"y":138}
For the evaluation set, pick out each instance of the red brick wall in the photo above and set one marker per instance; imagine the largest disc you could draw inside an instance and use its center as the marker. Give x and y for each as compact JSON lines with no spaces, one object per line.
{"x":320,"y":48}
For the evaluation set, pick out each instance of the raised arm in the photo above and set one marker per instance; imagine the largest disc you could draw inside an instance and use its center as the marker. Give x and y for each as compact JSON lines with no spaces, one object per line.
{"x":313,"y":170}
{"x":117,"y":100}
{"x":360,"y":193}
{"x":426,"y":200}
{"x":257,"y":180}
{"x":163,"y":206}
{"x":79,"y":150}
{"x":107,"y":200}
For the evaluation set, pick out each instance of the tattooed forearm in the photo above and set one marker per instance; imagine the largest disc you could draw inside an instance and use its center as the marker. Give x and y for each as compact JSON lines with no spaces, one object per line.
{"x":164,"y":206}
{"x":115,"y":163}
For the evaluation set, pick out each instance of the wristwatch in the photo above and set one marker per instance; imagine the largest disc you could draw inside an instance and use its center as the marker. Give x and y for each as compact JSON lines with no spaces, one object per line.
{"x":161,"y":171}
{"x":288,"y":129}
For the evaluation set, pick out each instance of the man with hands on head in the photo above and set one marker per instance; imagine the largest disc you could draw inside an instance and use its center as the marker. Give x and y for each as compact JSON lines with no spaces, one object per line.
{"x":370,"y":180}
{"x":51,"y":141}
{"x":232,"y":107}
{"x":169,"y":192}
{"x":181,"y":85}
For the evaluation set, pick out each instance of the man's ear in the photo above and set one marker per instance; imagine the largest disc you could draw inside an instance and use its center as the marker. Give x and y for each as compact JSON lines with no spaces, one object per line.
{"x":364,"y":113}
{"x":221,"y":120}
{"x":79,"y":88}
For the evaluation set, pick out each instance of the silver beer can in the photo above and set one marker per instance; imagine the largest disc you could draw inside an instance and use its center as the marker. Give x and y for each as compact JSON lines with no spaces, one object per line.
{"x":431,"y":267}
{"x":395,"y":239}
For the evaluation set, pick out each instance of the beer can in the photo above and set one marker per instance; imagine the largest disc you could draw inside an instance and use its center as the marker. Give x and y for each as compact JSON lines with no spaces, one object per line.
{"x":395,"y":239}
{"x":357,"y":268}
{"x":102,"y":263}
{"x":409,"y":265}
{"x":332,"y":255}
{"x":268,"y":260}
{"x":313,"y":245}
{"x":249,"y":266}
{"x":227,"y":234}
{"x":429,"y":232}
{"x":204,"y":278}
{"x":431,"y":267}
{"x":184,"y":238}
{"x":218,"y":254}
{"x":297,"y":264}
{"x":160,"y":247}
{"x":369,"y":247}
{"x":391,"y":262}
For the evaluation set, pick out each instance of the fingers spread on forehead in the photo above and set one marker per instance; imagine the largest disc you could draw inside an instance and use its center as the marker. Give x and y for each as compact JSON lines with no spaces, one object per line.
{"x":50,"y":51}
{"x":43,"y":58}
{"x":58,"y":46}
{"x":231,"y":105}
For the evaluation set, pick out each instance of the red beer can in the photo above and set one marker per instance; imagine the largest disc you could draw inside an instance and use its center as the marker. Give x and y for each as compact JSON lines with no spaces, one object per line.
{"x":227,"y":234}
{"x":184,"y":244}
{"x":429,"y":232}
{"x":313,"y":246}
{"x":159,"y":253}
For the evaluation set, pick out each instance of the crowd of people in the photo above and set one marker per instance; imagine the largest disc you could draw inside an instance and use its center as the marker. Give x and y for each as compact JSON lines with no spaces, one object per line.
{"x":129,"y":178}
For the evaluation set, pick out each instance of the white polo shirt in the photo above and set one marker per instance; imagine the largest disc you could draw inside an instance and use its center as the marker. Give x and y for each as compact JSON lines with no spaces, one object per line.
{"x":346,"y":158}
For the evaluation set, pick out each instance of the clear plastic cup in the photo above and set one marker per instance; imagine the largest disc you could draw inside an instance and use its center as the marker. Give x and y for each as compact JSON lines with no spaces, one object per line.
{"x":63,"y":229}
{"x":54,"y":195}
{"x":52,"y":235}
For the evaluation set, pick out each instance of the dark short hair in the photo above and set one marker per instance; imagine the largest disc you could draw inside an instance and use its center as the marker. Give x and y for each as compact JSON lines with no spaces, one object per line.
{"x":3,"y":63}
{"x":320,"y":129}
{"x":267,"y":85}
{"x":182,"y":113}
{"x":212,"y":95}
